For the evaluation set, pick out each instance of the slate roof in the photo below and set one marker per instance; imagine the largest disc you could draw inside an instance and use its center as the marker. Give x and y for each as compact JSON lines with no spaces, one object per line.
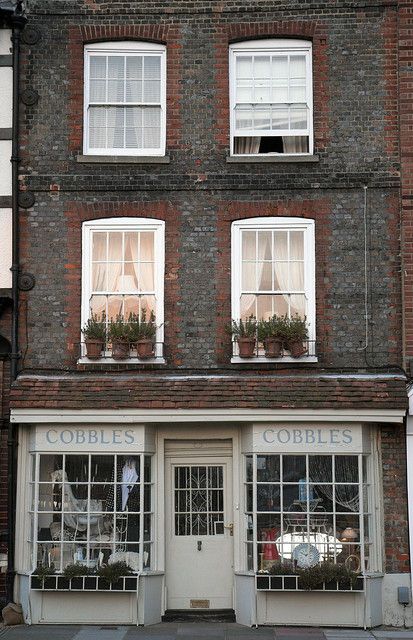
{"x":209,"y":392}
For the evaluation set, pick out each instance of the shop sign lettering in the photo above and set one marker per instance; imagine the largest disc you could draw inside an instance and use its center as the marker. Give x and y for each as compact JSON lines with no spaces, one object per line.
{"x":308,"y":436}
{"x":90,"y":436}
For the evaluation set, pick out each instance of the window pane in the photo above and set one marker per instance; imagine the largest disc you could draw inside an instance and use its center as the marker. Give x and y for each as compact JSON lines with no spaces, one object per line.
{"x":244,"y":117}
{"x":262,"y":67}
{"x":280,"y":67}
{"x":280,"y":93}
{"x":97,"y":91}
{"x":97,"y":67}
{"x":115,"y":127}
{"x":297,"y":67}
{"x":131,"y":305}
{"x":264,"y":276}
{"x":99,"y":277}
{"x":151,"y":138}
{"x":248,"y":245}
{"x":114,"y":306}
{"x":294,"y":468}
{"x":262,"y":93}
{"x":244,"y":67}
{"x":296,"y":276}
{"x":298,"y":118}
{"x":98,"y":305}
{"x":280,"y":305}
{"x":248,"y":276}
{"x":264,"y":307}
{"x":99,"y":246}
{"x":134,"y":67}
{"x":280,"y":119}
{"x":116,"y":66}
{"x":131,"y":246}
{"x":297,"y":94}
{"x":297,"y":305}
{"x":262,"y":118}
{"x":146,"y":280}
{"x":320,"y":468}
{"x":116,"y":91}
{"x":247,"y":306}
{"x":115,"y":245}
{"x":268,"y":497}
{"x":296,"y":245}
{"x":268,"y":468}
{"x":152,"y":68}
{"x":281,"y":245}
{"x":97,"y":127}
{"x":281,"y":281}
{"x":265,"y":245}
{"x":346,"y":469}
{"x":147,"y":245}
{"x":244,"y":91}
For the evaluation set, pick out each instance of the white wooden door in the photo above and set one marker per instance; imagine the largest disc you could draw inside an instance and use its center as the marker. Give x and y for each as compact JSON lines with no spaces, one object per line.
{"x":199,"y":540}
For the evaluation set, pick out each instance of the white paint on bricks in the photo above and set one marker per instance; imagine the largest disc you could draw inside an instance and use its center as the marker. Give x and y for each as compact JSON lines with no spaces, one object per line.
{"x":6,"y":97}
{"x":5,"y":168}
{"x":5,"y":253}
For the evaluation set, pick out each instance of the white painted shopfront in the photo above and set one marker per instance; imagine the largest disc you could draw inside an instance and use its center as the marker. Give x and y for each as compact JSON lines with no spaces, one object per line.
{"x":203,"y":508}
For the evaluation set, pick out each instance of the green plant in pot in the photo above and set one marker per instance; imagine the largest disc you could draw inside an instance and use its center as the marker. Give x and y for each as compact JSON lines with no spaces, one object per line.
{"x":94,"y":333}
{"x":111,"y":573}
{"x":272,"y":333}
{"x":119,"y":336}
{"x":142,"y":333}
{"x":245,"y":333}
{"x":296,"y":335}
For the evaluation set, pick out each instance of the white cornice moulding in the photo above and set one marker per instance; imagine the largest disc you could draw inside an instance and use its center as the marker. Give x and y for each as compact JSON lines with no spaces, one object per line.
{"x":129,"y":416}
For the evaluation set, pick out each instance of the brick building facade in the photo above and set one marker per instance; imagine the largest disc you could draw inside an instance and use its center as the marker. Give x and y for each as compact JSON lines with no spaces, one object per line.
{"x":274,"y":150}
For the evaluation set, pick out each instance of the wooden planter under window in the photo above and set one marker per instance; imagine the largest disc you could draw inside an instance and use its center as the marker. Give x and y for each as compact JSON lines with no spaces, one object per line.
{"x":292,"y":583}
{"x":83,"y":583}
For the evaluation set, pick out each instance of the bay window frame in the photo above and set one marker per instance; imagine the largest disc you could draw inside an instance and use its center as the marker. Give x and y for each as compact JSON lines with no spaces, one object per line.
{"x":124,"y":48}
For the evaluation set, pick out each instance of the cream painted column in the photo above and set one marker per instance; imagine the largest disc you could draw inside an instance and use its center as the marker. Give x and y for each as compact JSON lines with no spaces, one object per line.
{"x":6,"y":103}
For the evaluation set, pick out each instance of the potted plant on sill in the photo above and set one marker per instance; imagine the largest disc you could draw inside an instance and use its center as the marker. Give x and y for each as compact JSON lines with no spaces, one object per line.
{"x":245,"y":333}
{"x":142,"y":333}
{"x":94,"y":333}
{"x":110,"y":575}
{"x":119,"y":336}
{"x":272,"y":333}
{"x":296,"y":335}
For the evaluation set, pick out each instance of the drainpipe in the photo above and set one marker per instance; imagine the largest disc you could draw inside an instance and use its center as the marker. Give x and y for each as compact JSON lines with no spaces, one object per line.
{"x":14,"y":16}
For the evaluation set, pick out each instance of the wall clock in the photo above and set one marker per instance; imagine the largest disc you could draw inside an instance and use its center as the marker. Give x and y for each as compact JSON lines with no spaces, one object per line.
{"x":306,"y":555}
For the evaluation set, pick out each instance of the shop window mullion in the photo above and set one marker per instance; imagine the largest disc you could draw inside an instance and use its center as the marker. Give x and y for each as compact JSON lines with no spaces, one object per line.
{"x":361,"y":513}
{"x":254,"y":512}
{"x":36,"y":510}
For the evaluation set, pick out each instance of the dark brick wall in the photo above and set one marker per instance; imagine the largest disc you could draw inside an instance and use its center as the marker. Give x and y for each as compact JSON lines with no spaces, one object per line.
{"x":355,"y":121}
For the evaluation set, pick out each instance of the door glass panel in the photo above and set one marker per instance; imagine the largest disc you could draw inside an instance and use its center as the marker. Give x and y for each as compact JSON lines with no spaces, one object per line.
{"x":199,"y":500}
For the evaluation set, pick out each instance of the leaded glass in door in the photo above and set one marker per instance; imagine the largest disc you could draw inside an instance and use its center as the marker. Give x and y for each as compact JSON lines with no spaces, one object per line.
{"x":199,"y":500}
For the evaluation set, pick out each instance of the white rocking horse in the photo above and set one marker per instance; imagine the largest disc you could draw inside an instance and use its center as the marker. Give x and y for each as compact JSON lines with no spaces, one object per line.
{"x":75,"y":510}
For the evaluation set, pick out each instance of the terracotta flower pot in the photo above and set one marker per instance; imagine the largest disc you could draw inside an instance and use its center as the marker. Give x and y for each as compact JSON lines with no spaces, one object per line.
{"x":144,"y":348}
{"x":273,"y":347}
{"x":120,"y":349}
{"x":94,"y":349}
{"x":246,"y":347}
{"x":296,"y":348}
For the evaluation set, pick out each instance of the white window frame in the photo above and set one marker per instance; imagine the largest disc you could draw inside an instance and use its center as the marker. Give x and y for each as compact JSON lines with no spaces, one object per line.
{"x":122,"y":48}
{"x":275,"y":46}
{"x":276,"y":223}
{"x":126,"y":224}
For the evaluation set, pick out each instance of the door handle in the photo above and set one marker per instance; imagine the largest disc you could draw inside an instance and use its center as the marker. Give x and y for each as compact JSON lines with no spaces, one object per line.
{"x":230,"y":527}
{"x":199,"y":545}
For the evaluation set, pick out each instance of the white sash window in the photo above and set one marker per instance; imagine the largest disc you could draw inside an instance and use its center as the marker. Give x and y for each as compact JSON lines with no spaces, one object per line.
{"x":125,"y":95}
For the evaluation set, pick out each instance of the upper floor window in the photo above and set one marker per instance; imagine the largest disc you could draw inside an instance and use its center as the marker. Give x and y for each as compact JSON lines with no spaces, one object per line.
{"x":122,"y":274}
{"x":271,"y":97}
{"x":125,"y":98}
{"x":273,"y":271}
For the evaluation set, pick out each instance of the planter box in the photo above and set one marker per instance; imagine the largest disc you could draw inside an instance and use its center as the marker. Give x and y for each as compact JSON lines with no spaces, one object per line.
{"x":83,"y":583}
{"x":292,"y":583}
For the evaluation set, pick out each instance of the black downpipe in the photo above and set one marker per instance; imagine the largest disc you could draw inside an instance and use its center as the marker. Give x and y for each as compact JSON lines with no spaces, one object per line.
{"x":17,"y":22}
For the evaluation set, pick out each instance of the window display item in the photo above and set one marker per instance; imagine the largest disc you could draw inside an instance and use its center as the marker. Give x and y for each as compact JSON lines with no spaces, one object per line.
{"x":306,"y":555}
{"x":75,"y":520}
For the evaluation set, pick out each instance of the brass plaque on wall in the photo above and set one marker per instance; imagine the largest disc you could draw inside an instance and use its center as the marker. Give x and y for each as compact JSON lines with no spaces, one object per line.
{"x":199,"y":604}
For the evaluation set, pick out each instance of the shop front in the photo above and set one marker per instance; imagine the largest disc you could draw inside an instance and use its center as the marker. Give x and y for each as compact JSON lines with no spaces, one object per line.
{"x":223,"y":514}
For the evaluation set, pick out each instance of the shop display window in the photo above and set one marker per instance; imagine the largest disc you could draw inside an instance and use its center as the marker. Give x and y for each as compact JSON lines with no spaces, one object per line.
{"x":92,"y":509}
{"x":302,"y":510}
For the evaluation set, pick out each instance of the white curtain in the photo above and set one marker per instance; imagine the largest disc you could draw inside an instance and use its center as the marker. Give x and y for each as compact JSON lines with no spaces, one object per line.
{"x":295,"y":144}
{"x":143,"y":271}
{"x":263,"y":251}
{"x":247,"y":145}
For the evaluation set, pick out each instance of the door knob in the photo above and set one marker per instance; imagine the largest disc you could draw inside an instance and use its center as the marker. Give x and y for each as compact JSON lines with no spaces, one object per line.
{"x":199,"y":545}
{"x":230,"y":527}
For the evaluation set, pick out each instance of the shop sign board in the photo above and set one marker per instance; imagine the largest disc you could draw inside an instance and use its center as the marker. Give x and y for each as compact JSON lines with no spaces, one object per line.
{"x":108,"y":438}
{"x":304,"y":438}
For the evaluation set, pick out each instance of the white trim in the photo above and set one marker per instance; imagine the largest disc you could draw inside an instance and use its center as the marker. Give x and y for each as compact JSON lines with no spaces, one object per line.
{"x":129,"y":416}
{"x":272,"y":223}
{"x":124,"y":48}
{"x":271,"y":46}
{"x":122,"y":224}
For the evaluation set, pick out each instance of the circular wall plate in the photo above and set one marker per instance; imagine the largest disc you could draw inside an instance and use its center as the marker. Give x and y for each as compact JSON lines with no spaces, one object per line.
{"x":30,"y":35}
{"x":26,"y":281}
{"x":306,"y":555}
{"x":26,"y":199}
{"x":29,"y":97}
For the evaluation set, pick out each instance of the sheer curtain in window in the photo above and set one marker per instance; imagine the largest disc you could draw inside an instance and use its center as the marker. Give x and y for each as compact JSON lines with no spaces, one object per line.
{"x":247,"y":145}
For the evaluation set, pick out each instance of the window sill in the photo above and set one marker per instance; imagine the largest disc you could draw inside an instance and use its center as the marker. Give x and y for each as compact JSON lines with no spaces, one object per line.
{"x":281,"y":158}
{"x":284,"y":360}
{"x":123,"y":361}
{"x":86,"y":159}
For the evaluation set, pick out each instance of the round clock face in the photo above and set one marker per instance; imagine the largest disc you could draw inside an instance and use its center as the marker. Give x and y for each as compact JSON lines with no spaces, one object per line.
{"x":306,"y":555}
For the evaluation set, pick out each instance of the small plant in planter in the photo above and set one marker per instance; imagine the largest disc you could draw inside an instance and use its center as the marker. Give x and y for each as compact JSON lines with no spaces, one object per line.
{"x":75,"y":573}
{"x":42,"y":572}
{"x":119,"y":335}
{"x":142,"y":333}
{"x":111,"y":573}
{"x":296,"y":334}
{"x":94,"y":333}
{"x":328,"y":574}
{"x":245,"y":333}
{"x":272,"y":333}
